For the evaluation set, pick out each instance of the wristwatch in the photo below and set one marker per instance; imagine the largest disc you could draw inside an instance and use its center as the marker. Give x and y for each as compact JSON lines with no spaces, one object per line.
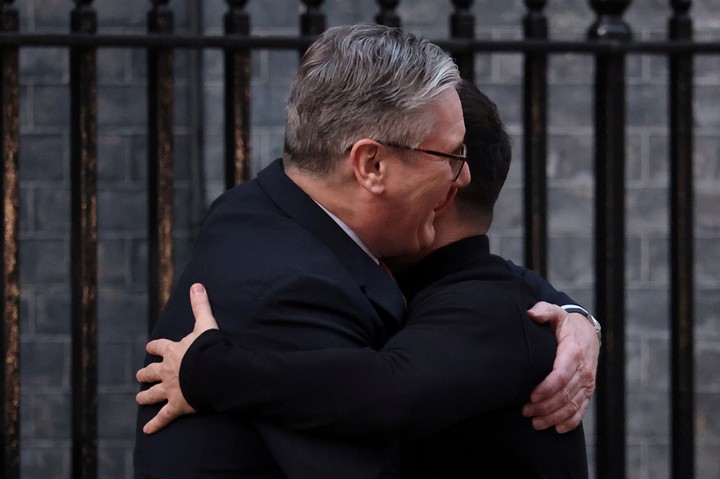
{"x":572,"y":308}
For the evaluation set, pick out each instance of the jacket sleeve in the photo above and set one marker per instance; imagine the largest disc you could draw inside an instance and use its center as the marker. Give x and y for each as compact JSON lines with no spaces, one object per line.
{"x":435,"y":372}
{"x":545,"y":291}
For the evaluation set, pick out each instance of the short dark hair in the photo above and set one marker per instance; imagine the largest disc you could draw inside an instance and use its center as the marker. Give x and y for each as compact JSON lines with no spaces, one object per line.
{"x":488,"y":151}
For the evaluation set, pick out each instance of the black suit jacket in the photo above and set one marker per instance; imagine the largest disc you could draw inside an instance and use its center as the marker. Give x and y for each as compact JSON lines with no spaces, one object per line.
{"x":283,"y":276}
{"x":450,"y":385}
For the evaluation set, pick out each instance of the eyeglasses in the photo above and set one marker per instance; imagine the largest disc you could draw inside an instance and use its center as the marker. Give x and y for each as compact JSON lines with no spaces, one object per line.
{"x":456,"y":161}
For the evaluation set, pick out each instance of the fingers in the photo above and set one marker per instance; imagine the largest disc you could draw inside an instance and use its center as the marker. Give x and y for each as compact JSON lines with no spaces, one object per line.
{"x":149,"y":374}
{"x":164,"y":417}
{"x":165,"y":373}
{"x":568,"y":360}
{"x":552,"y":385}
{"x":575,"y":360}
{"x":561,"y":400}
{"x":176,"y":407}
{"x":566,"y":407}
{"x":157,"y":347}
{"x":568,"y":416}
{"x":574,"y":420}
{"x":152,"y":395}
{"x":200,"y":303}
{"x":543,"y":312}
{"x":567,"y":388}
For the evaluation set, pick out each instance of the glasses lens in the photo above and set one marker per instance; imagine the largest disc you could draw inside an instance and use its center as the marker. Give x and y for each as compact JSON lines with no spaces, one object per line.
{"x":458,"y":163}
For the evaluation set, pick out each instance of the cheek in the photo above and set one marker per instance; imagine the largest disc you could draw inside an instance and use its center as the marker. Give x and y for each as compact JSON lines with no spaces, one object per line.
{"x":424,"y":214}
{"x":425,"y":199}
{"x":436,"y":193}
{"x":421,"y":199}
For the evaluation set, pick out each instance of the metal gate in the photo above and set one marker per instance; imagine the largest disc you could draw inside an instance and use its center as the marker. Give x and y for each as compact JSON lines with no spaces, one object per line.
{"x":609,"y":41}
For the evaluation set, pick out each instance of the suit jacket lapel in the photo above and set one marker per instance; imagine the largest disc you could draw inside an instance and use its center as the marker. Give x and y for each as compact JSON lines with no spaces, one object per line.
{"x":379,"y":287}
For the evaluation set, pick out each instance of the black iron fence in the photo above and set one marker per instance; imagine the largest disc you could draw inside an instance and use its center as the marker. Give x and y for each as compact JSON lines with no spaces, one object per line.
{"x":609,"y":42}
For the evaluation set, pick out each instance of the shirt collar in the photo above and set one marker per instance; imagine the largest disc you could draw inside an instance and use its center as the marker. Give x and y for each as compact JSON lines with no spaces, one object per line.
{"x":350,"y":233}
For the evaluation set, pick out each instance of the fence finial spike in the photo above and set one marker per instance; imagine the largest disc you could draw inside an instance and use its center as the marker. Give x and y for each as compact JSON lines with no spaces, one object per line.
{"x":609,"y":23}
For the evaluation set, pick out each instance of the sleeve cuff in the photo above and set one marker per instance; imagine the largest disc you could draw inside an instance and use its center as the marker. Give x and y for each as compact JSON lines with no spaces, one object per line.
{"x":192,"y":372}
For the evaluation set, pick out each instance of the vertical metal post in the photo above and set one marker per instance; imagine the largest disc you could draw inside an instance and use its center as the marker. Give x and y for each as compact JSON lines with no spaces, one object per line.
{"x":610,"y":124}
{"x":462,"y":25}
{"x":312,"y":20}
{"x":237,"y":98}
{"x":10,"y":330}
{"x":387,"y":16}
{"x":535,"y":88}
{"x":160,"y":162}
{"x":83,"y":158}
{"x":681,"y":245}
{"x":196,"y":120}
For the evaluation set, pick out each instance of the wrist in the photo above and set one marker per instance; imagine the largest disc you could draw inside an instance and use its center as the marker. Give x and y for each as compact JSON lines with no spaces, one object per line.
{"x":573,"y":308}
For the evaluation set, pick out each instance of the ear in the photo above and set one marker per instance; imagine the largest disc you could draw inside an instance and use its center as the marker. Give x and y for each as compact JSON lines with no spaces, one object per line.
{"x":369,"y":165}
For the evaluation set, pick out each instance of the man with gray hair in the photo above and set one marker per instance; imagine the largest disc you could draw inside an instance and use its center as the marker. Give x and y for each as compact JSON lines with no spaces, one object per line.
{"x":373,"y":151}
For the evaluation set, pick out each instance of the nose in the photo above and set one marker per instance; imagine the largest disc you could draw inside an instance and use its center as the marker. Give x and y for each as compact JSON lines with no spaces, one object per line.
{"x":464,"y":178}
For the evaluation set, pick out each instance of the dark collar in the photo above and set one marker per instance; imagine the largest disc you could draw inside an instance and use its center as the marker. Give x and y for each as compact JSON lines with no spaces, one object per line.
{"x":449,"y":259}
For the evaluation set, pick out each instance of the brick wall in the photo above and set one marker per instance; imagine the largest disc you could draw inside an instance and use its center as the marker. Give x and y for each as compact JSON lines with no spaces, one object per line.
{"x":122,"y":203}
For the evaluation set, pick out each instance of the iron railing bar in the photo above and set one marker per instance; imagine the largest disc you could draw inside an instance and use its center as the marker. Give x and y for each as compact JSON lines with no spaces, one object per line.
{"x":535,"y":115}
{"x":237,"y":104}
{"x":388,"y":15}
{"x":456,"y":45}
{"x":84,"y":230}
{"x":196,"y":120}
{"x":462,"y":26}
{"x":161,"y":191}
{"x":610,"y":135}
{"x":10,"y":178}
{"x":312,"y":22}
{"x":157,"y":40}
{"x":681,"y":248}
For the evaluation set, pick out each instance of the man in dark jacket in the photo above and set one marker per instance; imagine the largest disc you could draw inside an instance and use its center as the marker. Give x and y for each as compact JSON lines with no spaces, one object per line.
{"x":292,"y":257}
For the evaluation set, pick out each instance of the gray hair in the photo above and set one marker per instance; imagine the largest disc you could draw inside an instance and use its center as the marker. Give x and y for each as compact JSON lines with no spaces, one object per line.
{"x":363,"y":81}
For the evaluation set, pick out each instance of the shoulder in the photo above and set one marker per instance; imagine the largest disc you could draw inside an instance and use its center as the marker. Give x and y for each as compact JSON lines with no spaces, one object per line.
{"x":473,"y":303}
{"x":494,"y":291}
{"x":493,"y":310}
